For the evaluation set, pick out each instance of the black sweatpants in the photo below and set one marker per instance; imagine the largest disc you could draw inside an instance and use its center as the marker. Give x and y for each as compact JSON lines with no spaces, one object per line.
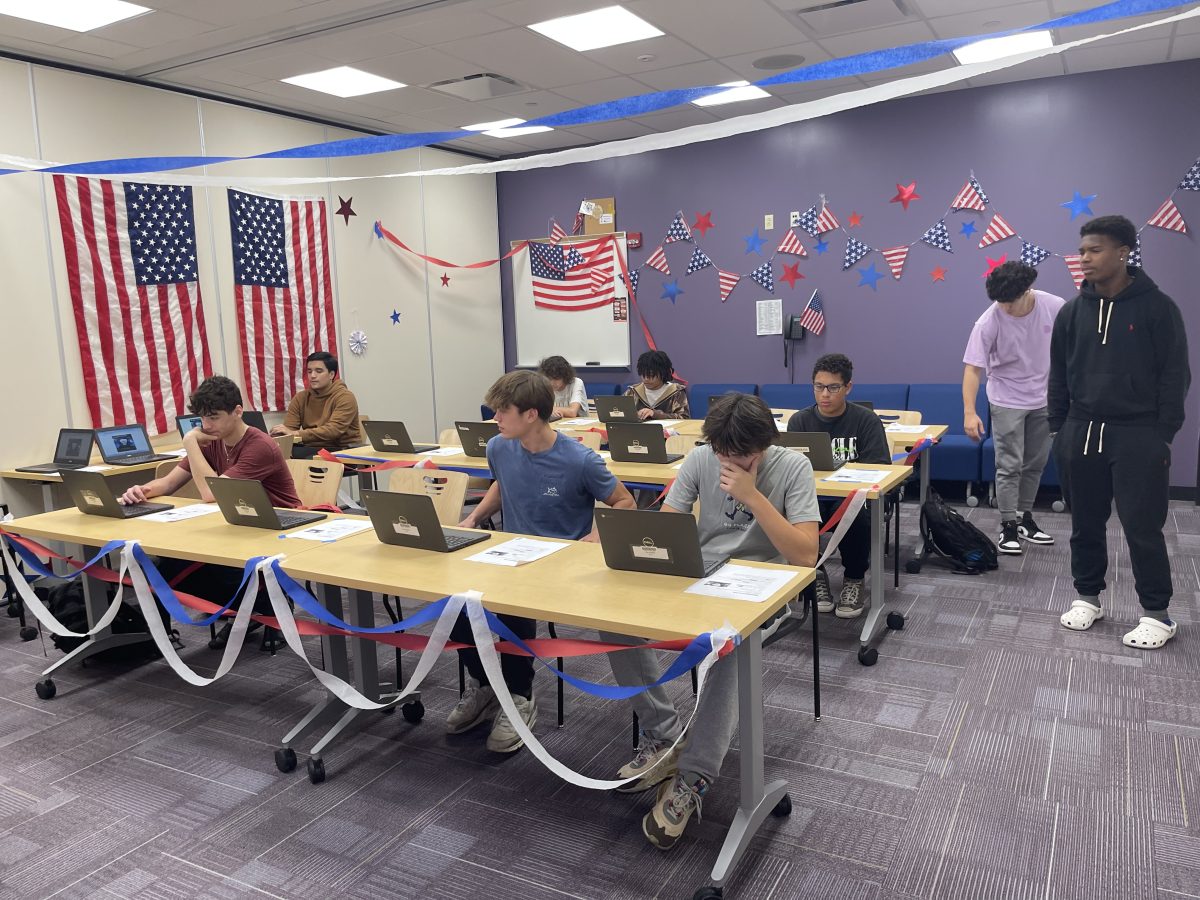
{"x":855,"y":547}
{"x":1131,"y":464}
{"x":518,"y":670}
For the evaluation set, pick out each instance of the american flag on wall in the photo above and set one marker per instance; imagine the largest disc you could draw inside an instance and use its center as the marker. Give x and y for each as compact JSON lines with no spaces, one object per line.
{"x":131,"y":264}
{"x":283,"y":292}
{"x":813,"y":317}
{"x":570,"y":289}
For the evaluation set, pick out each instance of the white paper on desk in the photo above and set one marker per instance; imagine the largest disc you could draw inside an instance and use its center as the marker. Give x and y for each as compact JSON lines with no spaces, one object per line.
{"x":668,"y":423}
{"x":180,"y":513}
{"x":442,"y":451}
{"x":94,"y":469}
{"x":578,"y":421}
{"x":734,"y":582}
{"x":181,"y":453}
{"x":857,"y":476}
{"x":769,"y":316}
{"x":781,"y":425}
{"x":517,"y":552}
{"x":897,"y":428}
{"x":331,"y":530}
{"x":604,"y":454}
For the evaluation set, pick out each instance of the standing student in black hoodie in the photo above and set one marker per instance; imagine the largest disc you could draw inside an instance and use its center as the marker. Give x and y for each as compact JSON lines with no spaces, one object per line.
{"x":857,"y":435}
{"x":1118,"y":378}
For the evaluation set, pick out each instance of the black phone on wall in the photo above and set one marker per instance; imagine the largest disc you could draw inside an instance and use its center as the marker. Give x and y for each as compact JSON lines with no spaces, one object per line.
{"x":794,"y":330}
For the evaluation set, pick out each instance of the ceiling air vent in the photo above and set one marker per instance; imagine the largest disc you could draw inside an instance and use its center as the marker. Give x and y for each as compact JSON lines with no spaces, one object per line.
{"x":483,"y":86}
{"x":842,"y":16}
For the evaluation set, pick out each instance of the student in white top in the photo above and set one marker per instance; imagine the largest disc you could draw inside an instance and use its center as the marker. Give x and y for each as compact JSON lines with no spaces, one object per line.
{"x":570,"y":394}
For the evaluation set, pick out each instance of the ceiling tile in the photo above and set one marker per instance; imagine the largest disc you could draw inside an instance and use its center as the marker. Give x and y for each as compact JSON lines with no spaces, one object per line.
{"x":528,"y":12}
{"x":97,"y":46}
{"x":700,"y":74}
{"x":234,"y":12}
{"x":746,"y":107}
{"x":1188,"y":26}
{"x":530,"y":105}
{"x":877,"y":39}
{"x":603,"y":90}
{"x":283,"y":66}
{"x":921,"y":68}
{"x":827,"y":19}
{"x":1047,"y":67}
{"x":816,"y":90}
{"x":721,"y":27}
{"x":1066,"y":35}
{"x":618,"y":130}
{"x":1115,"y":56}
{"x":424,"y":66}
{"x":457,"y":113}
{"x":348,"y":47}
{"x":1186,"y":46}
{"x":527,"y":57}
{"x":987,"y":21}
{"x":674,"y":119}
{"x":439,"y":27}
{"x":666,"y":50}
{"x":743,"y":63}
{"x":933,"y":8}
{"x":153,"y":29}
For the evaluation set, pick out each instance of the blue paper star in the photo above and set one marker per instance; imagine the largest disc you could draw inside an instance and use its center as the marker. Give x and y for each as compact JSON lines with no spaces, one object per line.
{"x":671,"y":290}
{"x":868,"y":277}
{"x":1079,"y":205}
{"x":821,"y":245}
{"x":968,"y":228}
{"x":754,"y":242}
{"x":395,"y":317}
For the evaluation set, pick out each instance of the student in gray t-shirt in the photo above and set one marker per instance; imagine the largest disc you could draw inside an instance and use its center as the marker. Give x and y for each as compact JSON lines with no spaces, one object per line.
{"x":758,"y":502}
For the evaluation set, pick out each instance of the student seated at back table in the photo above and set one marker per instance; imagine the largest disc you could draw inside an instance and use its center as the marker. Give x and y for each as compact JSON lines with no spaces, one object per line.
{"x":570,"y":394}
{"x":857,"y":436}
{"x":758,"y":502}
{"x":226,"y":447}
{"x":547,"y":484}
{"x":325,"y":415}
{"x":658,"y":397}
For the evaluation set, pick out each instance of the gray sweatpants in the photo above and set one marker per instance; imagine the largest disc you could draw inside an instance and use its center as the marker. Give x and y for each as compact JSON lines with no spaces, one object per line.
{"x":1022,"y":439}
{"x":716,"y":717}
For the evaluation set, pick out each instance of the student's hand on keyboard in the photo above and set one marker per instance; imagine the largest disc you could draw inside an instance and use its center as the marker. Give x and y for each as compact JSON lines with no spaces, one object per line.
{"x":644,"y":414}
{"x":136,"y":494}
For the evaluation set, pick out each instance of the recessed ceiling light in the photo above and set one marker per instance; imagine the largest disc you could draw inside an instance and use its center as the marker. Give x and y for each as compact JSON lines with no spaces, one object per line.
{"x":740,"y":90}
{"x":996,"y":48}
{"x":646,"y":57}
{"x":605,"y":27}
{"x":517,"y":132}
{"x":492,"y":126}
{"x":77,"y":15}
{"x":343,"y":81}
{"x":778,"y":61}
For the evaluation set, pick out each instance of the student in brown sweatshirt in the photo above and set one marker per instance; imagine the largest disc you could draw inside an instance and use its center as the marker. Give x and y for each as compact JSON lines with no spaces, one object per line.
{"x":325,"y":416}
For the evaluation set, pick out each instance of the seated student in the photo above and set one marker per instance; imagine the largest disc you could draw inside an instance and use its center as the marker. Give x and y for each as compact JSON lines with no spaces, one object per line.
{"x":857,"y":436}
{"x":226,"y":447}
{"x":658,"y":397}
{"x":758,"y":502}
{"x":547,"y":485}
{"x":325,"y":415}
{"x":570,"y":393}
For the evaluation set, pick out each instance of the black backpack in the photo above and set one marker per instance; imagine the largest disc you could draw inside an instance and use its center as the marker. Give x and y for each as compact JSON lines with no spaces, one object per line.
{"x":949,"y":536}
{"x":66,"y":603}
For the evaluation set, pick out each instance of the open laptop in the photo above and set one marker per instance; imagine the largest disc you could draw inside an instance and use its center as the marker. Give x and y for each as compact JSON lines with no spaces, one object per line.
{"x":639,"y":443}
{"x":865,"y":404}
{"x":392,"y":437}
{"x":188,"y":423}
{"x":127,"y":445}
{"x":816,"y":445}
{"x":93,"y":496}
{"x":73,"y":451}
{"x":661,"y":543}
{"x":245,"y":502}
{"x":410,"y":520}
{"x":474,"y":436}
{"x":255,"y":420}
{"x":616,"y":409}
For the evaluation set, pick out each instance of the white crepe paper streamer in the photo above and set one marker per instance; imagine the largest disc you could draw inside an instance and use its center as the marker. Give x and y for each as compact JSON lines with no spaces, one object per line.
{"x":42,"y":614}
{"x":857,"y":502}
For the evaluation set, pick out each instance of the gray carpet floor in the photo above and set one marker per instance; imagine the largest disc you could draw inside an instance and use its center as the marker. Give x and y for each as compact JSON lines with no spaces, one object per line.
{"x":989,"y":754}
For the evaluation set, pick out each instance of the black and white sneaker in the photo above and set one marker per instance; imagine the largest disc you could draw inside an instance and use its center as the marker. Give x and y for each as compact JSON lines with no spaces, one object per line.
{"x":1009,"y":541}
{"x":1029,"y":531}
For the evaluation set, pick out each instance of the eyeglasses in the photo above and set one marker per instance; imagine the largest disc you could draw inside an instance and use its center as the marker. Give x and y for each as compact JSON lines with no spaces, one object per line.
{"x":827,"y":388}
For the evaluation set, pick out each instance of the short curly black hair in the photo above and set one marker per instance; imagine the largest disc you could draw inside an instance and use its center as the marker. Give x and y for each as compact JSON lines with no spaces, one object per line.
{"x":1009,"y":281}
{"x":835,"y":364}
{"x":1119,"y":228}
{"x":215,"y":394}
{"x":739,"y":424}
{"x":557,"y":368}
{"x":655,"y":362}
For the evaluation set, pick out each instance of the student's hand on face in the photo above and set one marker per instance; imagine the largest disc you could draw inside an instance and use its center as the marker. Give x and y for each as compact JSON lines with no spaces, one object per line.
{"x":135,"y":494}
{"x":739,"y":483}
{"x":197,"y":438}
{"x":645,"y":414}
{"x":973,"y":426}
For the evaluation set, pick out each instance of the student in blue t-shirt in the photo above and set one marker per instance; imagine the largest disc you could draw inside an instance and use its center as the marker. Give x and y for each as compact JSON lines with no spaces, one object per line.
{"x":547,"y":485}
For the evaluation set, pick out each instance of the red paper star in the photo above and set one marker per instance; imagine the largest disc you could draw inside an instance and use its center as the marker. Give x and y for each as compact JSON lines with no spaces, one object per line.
{"x":855,"y":220}
{"x":791,"y":274}
{"x":703,"y":222}
{"x":344,"y":210}
{"x":938,"y":274}
{"x":906,"y":194}
{"x":445,"y":279}
{"x":992,"y":263}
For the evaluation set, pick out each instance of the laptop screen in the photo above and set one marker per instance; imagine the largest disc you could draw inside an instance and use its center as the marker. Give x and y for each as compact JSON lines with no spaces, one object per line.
{"x":126,"y":440}
{"x":187,"y":423}
{"x":74,"y":446}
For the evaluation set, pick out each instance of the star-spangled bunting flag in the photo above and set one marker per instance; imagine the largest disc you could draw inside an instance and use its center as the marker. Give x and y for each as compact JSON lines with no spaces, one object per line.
{"x":938,"y":235}
{"x":658,"y":260}
{"x":283,"y":292}
{"x":678,"y":231}
{"x":817,"y":222}
{"x":827,"y":221}
{"x":557,"y":287}
{"x":855,"y":250}
{"x":728,"y":281}
{"x":763,"y":277}
{"x":997,"y":230}
{"x":970,"y":197}
{"x":698,"y":261}
{"x":791,"y":244}
{"x":634,"y":274}
{"x":1169,"y":217}
{"x":1074,"y":268}
{"x":1191,"y":181}
{"x":1032,"y":254}
{"x":1135,"y":255}
{"x":813,"y":317}
{"x":895,"y":257}
{"x":556,"y":232}
{"x":578,"y":226}
{"x":572,"y":258}
{"x":130,"y":252}
{"x":808,"y":221}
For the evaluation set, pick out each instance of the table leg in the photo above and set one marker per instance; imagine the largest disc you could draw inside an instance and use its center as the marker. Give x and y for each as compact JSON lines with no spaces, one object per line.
{"x":924,"y":474}
{"x":875,"y":614}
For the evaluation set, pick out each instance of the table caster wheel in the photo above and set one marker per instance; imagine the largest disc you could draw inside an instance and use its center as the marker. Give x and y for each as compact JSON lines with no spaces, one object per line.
{"x":413,"y":712}
{"x":868,"y":656}
{"x":972,"y":501}
{"x":285,"y":759}
{"x":992,"y":503}
{"x":895,"y":621}
{"x":28,"y":633}
{"x":316,"y":770}
{"x":783,"y":807}
{"x":709,"y":892}
{"x":14,"y":611}
{"x":913,"y":567}
{"x":46,"y":689}
{"x":1058,"y":506}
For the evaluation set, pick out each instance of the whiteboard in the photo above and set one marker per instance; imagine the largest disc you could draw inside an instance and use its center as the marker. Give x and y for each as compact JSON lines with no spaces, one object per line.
{"x":587,"y":337}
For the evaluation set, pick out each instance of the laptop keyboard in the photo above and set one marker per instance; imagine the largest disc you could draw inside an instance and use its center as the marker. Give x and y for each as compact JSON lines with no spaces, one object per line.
{"x":712,"y":563}
{"x":454,"y":541}
{"x":139,"y":458}
{"x":290,"y":520}
{"x":142,"y":509}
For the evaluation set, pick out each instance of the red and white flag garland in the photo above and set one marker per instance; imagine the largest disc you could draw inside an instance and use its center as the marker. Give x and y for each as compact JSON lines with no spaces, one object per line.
{"x":791,"y":244}
{"x":658,"y":260}
{"x":895,"y":257}
{"x":1169,"y":217}
{"x":728,"y":281}
{"x":997,"y":230}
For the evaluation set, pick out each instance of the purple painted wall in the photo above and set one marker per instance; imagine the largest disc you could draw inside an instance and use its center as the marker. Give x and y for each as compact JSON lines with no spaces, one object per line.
{"x":1122,"y":135}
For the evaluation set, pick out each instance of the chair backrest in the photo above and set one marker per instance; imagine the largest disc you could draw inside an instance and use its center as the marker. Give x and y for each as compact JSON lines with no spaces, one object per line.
{"x":285,"y":442}
{"x":448,"y":489}
{"x":486,"y":413}
{"x":449,"y":438}
{"x":587,"y":438}
{"x":884,"y":396}
{"x":899,"y":416}
{"x":700,"y":394}
{"x":189,"y":490}
{"x":362,"y":429}
{"x":604,"y":388}
{"x":941,"y":404}
{"x":788,"y":396}
{"x":317,"y":481}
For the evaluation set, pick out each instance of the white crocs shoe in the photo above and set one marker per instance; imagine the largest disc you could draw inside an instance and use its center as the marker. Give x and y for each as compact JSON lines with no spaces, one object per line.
{"x":1150,"y":634}
{"x":1081,"y":616}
